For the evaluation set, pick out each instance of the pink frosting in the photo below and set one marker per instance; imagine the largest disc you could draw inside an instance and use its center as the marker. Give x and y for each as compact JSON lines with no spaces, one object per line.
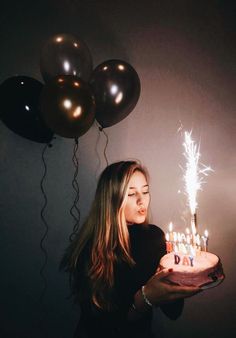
{"x":205,"y":268}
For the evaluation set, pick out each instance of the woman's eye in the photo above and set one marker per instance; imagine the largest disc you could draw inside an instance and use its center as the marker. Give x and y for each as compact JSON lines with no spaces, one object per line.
{"x":131,"y":194}
{"x":146,"y":192}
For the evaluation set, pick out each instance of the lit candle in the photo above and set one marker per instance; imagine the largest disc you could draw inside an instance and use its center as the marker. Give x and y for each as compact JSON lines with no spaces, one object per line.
{"x":188,"y":239}
{"x":171,"y":231}
{"x":198,"y":244}
{"x":205,"y":240}
{"x":167,"y":237}
{"x":188,"y":236}
{"x":183,"y":249}
{"x":198,"y":240}
{"x":175,"y":248}
{"x":183,"y":237}
{"x":175,"y":237}
{"x":179,"y":237}
{"x":192,"y":251}
{"x":168,"y":243}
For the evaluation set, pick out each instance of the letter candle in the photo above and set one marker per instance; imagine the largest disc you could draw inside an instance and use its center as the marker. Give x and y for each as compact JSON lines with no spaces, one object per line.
{"x":183,"y":237}
{"x":182,"y":244}
{"x":188,"y":240}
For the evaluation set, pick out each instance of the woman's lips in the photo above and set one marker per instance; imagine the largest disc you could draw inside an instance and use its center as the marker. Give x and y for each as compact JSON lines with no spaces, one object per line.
{"x":142,"y":211}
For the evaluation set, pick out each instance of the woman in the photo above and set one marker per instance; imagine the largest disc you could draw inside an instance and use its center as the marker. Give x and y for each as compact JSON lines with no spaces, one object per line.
{"x":113,"y":261}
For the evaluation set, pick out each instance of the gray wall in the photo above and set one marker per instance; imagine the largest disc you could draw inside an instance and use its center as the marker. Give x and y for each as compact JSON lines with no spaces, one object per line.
{"x":184,"y":53}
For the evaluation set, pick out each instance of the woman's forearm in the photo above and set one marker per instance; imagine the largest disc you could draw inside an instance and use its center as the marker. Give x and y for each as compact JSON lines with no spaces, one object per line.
{"x":139,"y":308}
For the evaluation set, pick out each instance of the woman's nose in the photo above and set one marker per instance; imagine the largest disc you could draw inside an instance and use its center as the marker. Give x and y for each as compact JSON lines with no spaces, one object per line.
{"x":140,"y":199}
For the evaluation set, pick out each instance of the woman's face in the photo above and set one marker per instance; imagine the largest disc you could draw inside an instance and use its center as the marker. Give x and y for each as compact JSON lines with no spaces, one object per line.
{"x":137,"y":200}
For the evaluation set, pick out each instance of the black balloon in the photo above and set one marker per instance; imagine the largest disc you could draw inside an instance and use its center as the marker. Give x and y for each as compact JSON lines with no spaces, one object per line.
{"x":65,"y":54}
{"x":19,"y":108}
{"x":67,"y":106}
{"x":116,"y":88}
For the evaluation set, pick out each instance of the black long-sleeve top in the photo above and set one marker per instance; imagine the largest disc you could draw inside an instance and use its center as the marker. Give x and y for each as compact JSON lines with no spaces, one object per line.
{"x":147,"y":248}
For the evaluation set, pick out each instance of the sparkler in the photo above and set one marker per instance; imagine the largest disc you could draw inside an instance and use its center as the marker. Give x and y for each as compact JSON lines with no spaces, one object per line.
{"x":193,"y":177}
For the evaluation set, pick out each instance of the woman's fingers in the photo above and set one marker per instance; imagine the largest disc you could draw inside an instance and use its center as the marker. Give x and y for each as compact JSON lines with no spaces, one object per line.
{"x":183,"y":290}
{"x":163,"y":273}
{"x":186,"y":290}
{"x":159,"y":290}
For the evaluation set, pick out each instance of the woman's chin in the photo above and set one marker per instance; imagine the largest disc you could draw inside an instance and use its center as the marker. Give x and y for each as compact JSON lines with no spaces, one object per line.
{"x":137,"y":220}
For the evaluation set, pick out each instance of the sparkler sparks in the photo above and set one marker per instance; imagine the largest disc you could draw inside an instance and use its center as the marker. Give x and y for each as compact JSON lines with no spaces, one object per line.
{"x":194,"y":171}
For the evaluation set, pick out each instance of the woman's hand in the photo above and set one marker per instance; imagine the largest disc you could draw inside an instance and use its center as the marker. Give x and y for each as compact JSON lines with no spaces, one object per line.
{"x":158,"y":291}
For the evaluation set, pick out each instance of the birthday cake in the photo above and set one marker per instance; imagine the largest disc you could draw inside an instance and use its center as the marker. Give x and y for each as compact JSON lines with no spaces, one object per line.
{"x":204,"y":269}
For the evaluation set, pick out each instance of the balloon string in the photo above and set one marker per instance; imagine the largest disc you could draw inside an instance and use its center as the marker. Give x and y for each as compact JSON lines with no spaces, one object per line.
{"x":45,"y":224}
{"x":74,"y":209}
{"x":97,"y":153}
{"x":105,"y":148}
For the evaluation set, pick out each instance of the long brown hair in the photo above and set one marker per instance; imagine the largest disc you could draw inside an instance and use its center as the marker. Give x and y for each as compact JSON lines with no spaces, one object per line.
{"x":106,"y":231}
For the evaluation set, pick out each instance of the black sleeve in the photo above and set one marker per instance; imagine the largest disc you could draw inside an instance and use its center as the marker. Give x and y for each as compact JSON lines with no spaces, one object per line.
{"x":173,"y":310}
